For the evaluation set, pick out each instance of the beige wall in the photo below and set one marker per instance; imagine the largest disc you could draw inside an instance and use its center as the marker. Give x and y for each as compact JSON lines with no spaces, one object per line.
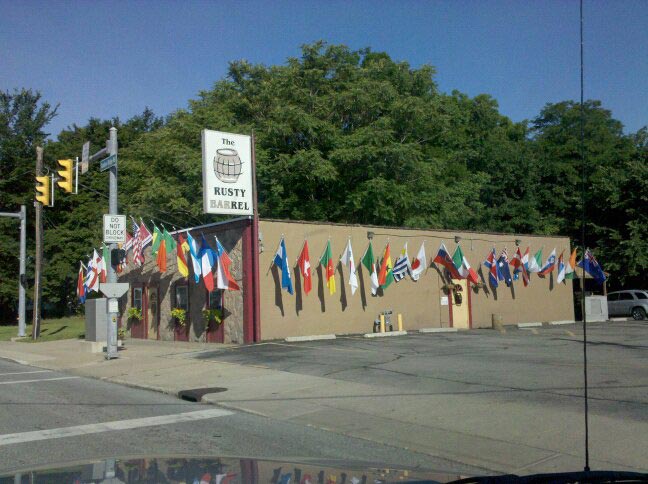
{"x":419,"y":302}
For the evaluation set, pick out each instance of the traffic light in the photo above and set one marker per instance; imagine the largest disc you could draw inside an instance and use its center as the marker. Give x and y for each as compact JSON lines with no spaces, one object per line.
{"x":66,"y":175}
{"x":44,"y":189}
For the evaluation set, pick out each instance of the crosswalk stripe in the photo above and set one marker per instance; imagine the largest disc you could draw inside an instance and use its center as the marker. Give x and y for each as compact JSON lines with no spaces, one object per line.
{"x":58,"y":433}
{"x":38,"y":380}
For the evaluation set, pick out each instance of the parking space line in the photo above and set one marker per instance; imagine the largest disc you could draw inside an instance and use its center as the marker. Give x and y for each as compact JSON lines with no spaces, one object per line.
{"x":58,"y":433}
{"x":40,"y":380}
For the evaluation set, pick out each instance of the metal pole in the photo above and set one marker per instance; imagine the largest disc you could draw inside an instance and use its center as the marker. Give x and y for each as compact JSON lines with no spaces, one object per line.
{"x":113,"y":314}
{"x":255,"y":250}
{"x":22,"y":276}
{"x":39,"y":250}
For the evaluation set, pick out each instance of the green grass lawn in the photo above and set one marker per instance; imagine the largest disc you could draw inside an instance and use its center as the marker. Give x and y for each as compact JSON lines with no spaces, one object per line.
{"x":51,"y":330}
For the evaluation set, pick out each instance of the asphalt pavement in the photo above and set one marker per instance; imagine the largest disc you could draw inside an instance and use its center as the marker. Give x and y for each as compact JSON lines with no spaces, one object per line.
{"x":50,"y":418}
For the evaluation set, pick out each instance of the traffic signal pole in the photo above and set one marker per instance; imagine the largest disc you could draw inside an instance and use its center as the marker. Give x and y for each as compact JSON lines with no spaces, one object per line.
{"x":39,"y":251}
{"x":113,"y":303}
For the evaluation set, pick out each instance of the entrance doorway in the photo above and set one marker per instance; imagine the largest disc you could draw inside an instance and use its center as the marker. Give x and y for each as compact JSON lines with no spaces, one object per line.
{"x":153,"y":314}
{"x":460,"y":304}
{"x":138,"y":327}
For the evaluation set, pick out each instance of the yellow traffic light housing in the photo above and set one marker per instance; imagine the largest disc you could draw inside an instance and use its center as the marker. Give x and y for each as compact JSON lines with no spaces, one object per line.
{"x":66,"y":175}
{"x":43,"y":189}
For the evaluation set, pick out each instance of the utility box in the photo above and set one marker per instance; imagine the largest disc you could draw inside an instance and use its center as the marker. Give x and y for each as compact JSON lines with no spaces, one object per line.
{"x":596,"y":308}
{"x":96,"y":319}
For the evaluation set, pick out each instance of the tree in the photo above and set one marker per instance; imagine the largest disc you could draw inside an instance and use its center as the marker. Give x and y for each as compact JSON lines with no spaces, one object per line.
{"x":23,"y":118}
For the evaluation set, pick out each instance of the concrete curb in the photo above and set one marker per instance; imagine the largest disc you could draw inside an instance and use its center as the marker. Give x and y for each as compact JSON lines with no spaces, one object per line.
{"x":438,"y":330}
{"x":529,"y":325}
{"x":316,"y":337}
{"x":560,"y":323}
{"x":386,"y":333}
{"x":620,"y":319}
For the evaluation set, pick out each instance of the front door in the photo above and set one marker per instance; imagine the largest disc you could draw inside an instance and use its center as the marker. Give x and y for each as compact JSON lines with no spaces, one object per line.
{"x":138,"y":326}
{"x":153,"y":314}
{"x":460,"y":304}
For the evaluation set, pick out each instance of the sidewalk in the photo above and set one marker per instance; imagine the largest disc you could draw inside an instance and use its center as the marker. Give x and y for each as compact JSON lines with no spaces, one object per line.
{"x":377,"y":413}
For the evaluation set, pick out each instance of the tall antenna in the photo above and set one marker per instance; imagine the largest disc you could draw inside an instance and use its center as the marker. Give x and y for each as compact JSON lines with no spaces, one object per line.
{"x":583,"y":248}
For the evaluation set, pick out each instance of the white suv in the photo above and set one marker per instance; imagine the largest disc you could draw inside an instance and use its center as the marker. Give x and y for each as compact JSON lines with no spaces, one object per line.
{"x":628,"y":303}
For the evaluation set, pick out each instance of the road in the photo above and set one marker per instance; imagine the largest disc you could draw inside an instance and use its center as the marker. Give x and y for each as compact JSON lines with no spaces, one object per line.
{"x":510,"y":401}
{"x":52,"y":418}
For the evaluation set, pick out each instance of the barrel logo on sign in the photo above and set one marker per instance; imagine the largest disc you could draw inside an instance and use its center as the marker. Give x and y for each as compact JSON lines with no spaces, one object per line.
{"x":227,"y":165}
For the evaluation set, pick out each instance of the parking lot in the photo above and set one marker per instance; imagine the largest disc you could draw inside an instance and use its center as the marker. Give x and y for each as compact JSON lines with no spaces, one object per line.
{"x":510,"y":400}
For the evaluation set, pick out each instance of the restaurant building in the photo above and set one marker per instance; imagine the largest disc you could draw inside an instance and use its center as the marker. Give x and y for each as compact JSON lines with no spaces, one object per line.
{"x":268,"y":312}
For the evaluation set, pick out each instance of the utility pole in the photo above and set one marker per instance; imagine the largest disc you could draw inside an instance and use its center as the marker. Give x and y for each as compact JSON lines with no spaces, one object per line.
{"x":22,"y":280}
{"x":39,"y":251}
{"x":113,"y":304}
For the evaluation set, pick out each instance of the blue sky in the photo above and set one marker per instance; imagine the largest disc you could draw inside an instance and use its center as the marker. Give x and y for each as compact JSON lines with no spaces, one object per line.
{"x":108,"y":59}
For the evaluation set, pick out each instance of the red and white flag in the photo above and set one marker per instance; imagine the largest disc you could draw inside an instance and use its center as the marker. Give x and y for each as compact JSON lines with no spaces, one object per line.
{"x":224,"y":279}
{"x":303,"y":262}
{"x":419,"y":263}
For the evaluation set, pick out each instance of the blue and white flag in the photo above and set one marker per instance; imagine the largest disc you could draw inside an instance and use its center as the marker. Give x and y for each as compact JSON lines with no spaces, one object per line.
{"x":195,"y":260}
{"x":281,"y":261}
{"x":503,"y":270}
{"x":402,"y":265}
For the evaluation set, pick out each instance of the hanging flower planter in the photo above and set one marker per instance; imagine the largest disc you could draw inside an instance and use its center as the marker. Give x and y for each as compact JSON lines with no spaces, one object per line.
{"x":180,"y":317}
{"x":212,"y":317}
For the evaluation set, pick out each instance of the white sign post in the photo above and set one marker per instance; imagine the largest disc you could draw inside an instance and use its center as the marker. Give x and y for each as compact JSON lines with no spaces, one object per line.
{"x":227,"y":173}
{"x":114,"y":229}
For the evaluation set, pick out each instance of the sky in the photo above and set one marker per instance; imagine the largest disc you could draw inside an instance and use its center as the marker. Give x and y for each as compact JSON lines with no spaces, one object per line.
{"x":105,"y":59}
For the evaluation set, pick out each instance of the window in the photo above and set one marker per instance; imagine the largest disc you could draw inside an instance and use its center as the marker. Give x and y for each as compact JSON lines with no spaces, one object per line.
{"x":625,"y":296}
{"x":215,"y":299}
{"x":641,"y":295}
{"x":613,"y":297}
{"x":137,"y":297}
{"x":182,"y":297}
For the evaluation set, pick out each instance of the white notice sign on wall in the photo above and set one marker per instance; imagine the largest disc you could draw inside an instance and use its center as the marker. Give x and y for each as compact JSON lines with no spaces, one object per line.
{"x":227,"y":173}
{"x":444,"y":300}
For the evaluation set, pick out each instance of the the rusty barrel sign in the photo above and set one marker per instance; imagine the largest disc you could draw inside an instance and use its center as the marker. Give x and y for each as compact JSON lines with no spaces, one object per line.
{"x":227,"y":165}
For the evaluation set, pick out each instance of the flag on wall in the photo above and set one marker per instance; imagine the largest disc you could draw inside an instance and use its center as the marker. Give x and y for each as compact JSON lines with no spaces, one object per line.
{"x":326,"y":261}
{"x":370,"y":264}
{"x":419,"y":264}
{"x":349,"y":263}
{"x":170,"y":241}
{"x":305,"y":268}
{"x":561,"y":268}
{"x":145,"y":234}
{"x":386,"y":275}
{"x":224,"y":279}
{"x":402,"y":265}
{"x":206,"y":256}
{"x":281,"y":261}
{"x":161,"y":254}
{"x":103,"y":264}
{"x":592,"y":267}
{"x":491,"y":265}
{"x":535,"y":262}
{"x":443,"y":258}
{"x":503,"y":268}
{"x":195,"y":259}
{"x":463,"y":267}
{"x":182,"y":248}
{"x":157,"y":240}
{"x":92,"y":274}
{"x":519,"y":268}
{"x":550,"y":265}
{"x":138,"y":258}
{"x":571,"y":266}
{"x":81,"y":289}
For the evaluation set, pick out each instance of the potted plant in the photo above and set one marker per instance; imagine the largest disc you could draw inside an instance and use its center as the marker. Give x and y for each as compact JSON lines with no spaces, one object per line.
{"x":134,"y":315}
{"x":212,"y":317}
{"x":180,"y":316}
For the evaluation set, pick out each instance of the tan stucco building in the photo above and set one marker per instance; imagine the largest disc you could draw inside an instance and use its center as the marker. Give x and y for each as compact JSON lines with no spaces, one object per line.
{"x":427,"y":303}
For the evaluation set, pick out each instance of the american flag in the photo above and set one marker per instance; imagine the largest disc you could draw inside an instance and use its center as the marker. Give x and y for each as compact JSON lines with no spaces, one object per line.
{"x":138,"y":257}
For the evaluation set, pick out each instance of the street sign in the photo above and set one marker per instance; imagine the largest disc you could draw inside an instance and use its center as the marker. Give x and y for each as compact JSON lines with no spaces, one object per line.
{"x":85,"y":157}
{"x":114,"y":229}
{"x":114,"y":289}
{"x":108,"y":163}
